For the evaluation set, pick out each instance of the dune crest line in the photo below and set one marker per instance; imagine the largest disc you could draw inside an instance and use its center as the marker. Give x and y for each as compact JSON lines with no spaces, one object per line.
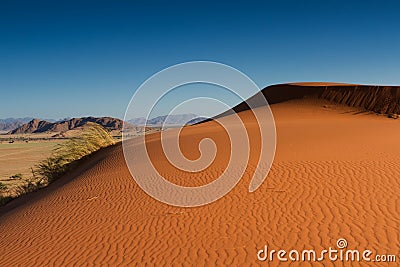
{"x":142,"y":166}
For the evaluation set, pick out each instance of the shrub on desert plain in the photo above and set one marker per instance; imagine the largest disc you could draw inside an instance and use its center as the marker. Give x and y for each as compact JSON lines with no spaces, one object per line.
{"x":92,"y":139}
{"x":16,"y":176}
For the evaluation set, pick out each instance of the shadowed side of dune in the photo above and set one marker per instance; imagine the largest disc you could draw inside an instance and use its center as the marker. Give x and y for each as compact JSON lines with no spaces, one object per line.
{"x":379,"y":99}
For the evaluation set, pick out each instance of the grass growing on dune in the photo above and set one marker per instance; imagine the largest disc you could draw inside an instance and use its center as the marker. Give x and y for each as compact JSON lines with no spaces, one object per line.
{"x":4,"y":198}
{"x":93,"y":138}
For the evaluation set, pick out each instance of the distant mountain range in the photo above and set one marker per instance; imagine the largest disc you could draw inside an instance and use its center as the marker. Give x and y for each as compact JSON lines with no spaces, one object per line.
{"x":42,"y":126}
{"x":197,"y":120}
{"x":178,"y":119}
{"x":10,"y":124}
{"x":30,"y":125}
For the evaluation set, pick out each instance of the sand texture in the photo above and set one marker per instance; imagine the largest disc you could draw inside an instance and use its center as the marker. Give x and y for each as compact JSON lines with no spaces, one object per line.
{"x":335,"y":175}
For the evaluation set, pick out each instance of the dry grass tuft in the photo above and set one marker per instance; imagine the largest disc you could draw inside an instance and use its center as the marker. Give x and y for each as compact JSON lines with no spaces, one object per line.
{"x":93,"y":138}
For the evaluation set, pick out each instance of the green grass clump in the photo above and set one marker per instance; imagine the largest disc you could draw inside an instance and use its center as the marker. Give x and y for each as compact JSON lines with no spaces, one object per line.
{"x":4,"y":198}
{"x":28,"y":186}
{"x":3,"y":187}
{"x":92,"y":139}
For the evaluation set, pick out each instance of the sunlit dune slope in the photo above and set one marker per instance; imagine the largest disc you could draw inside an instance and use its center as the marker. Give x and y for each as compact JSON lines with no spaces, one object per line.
{"x":335,"y":175}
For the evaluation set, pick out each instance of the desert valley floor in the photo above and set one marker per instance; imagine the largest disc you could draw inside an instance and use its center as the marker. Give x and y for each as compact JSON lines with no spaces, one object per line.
{"x":335,"y":175}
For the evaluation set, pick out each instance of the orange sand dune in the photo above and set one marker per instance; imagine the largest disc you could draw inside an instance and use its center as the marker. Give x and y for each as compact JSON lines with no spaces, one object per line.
{"x":376,"y":98}
{"x":335,"y":175}
{"x":322,"y":84}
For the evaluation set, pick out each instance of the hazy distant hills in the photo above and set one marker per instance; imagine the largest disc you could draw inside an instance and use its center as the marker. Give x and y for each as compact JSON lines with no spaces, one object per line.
{"x":178,"y":119}
{"x":31,"y":125}
{"x":12,"y":123}
{"x":42,"y":126}
{"x":138,"y":121}
{"x":197,"y":120}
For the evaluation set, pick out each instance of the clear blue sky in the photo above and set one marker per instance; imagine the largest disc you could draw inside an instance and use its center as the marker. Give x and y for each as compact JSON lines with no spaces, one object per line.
{"x":77,"y":58}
